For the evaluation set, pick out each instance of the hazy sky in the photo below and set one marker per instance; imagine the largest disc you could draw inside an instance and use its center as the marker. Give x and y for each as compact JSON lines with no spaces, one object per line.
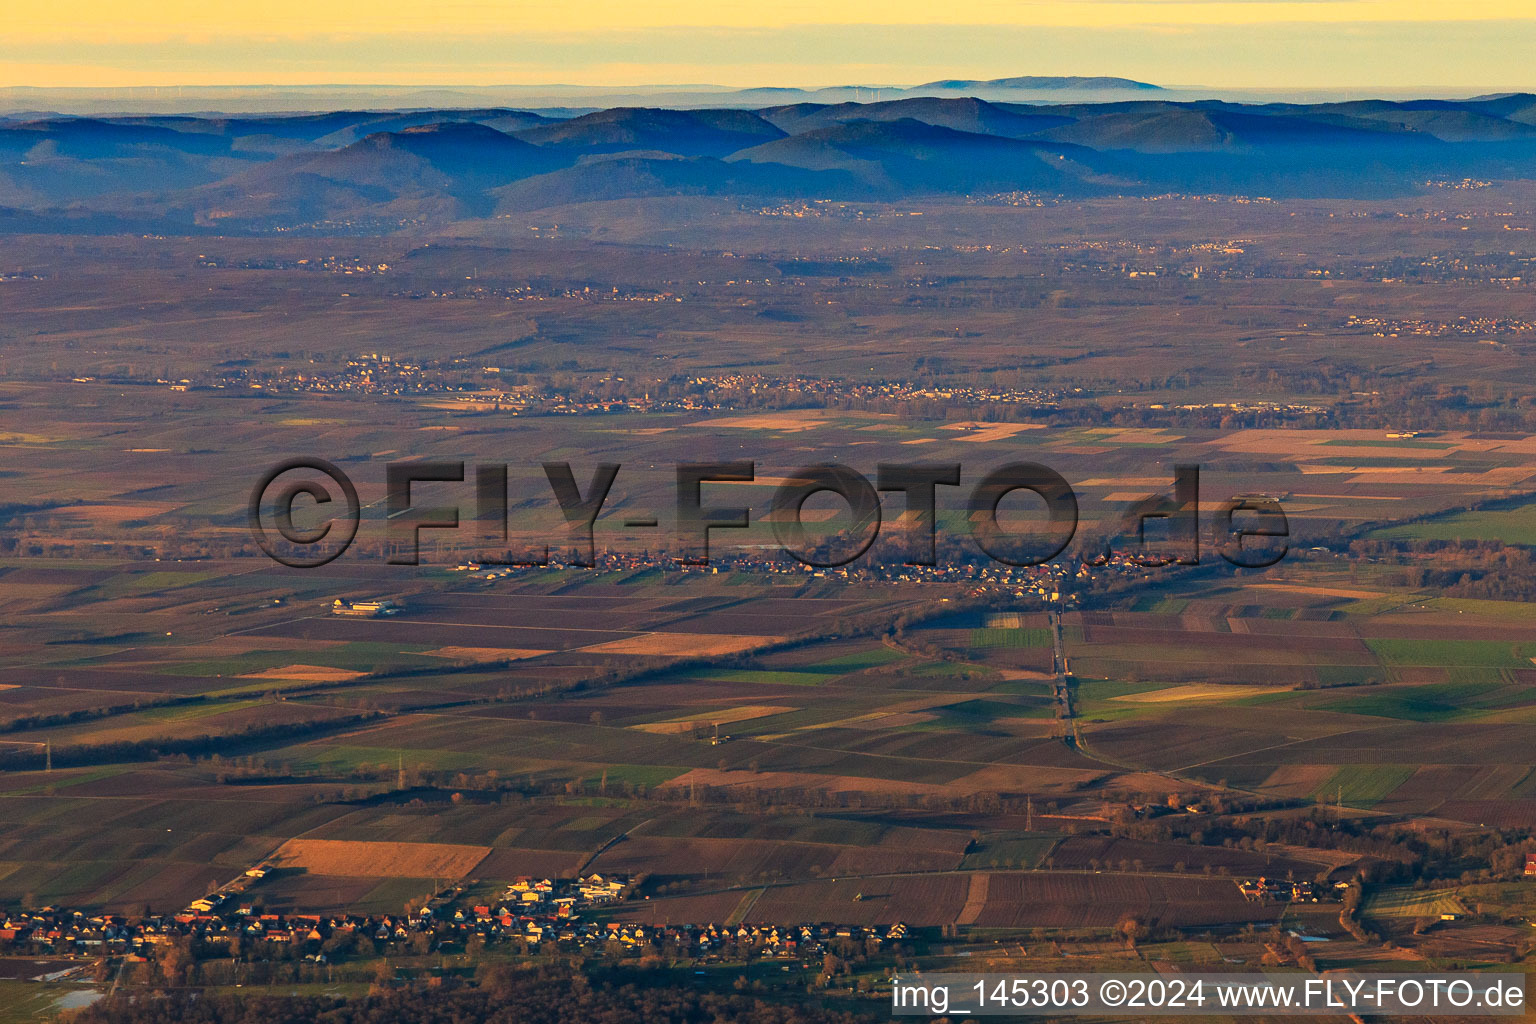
{"x":1226,"y":43}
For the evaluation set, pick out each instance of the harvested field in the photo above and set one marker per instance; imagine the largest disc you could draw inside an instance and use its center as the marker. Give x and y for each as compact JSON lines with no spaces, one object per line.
{"x":1498,"y":744}
{"x":883,"y":860}
{"x":1297,"y":780}
{"x":706,"y":908}
{"x":766,"y":626}
{"x":980,"y":433}
{"x":379,"y":860}
{"x":770,"y":780}
{"x":914,"y":899}
{"x":1054,"y":900}
{"x":315,"y":893}
{"x":170,"y":884}
{"x":1319,"y":591}
{"x":1518,"y":813}
{"x":682,"y":644}
{"x":415,"y":631}
{"x":1012,"y":900}
{"x":1090,"y":852}
{"x":749,"y":859}
{"x":1429,"y":787}
{"x":975,"y":899}
{"x":1015,"y":778}
{"x":1195,"y":691}
{"x":480,"y":654}
{"x":206,"y":719}
{"x":786,"y":421}
{"x":893,"y":721}
{"x":724,"y":716}
{"x":507,"y":863}
{"x":306,"y":674}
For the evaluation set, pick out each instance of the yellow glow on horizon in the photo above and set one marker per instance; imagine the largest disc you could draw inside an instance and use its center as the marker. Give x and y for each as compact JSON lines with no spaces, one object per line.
{"x":615,"y":75}
{"x":138,"y":21}
{"x":613,"y":44}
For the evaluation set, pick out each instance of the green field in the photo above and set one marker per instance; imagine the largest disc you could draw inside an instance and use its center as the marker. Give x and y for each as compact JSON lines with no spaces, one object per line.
{"x":192,"y":712}
{"x":771,"y":677}
{"x":1508,"y":611}
{"x":390,"y":895}
{"x":1095,"y":697}
{"x":30,"y":1001}
{"x":1510,"y":525}
{"x":340,"y":757}
{"x":1001,"y":852}
{"x":1185,"y":952}
{"x":858,"y":660}
{"x":1460,"y":653}
{"x":1007,"y":637}
{"x":1384,"y":442}
{"x":638,"y":774}
{"x":358,"y":656}
{"x":976,"y":714}
{"x":1442,"y":702}
{"x":1412,"y":903}
{"x":1364,"y":785}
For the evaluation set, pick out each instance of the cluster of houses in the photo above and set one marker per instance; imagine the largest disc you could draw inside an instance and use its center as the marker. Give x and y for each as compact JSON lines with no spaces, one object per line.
{"x":61,"y":931}
{"x":369,"y":374}
{"x":549,"y":918}
{"x":700,"y":941}
{"x":563,"y":897}
{"x":738,"y":391}
{"x":709,"y":941}
{"x":1482,"y":326}
{"x":1261,"y":888}
{"x":57,"y":931}
{"x":374,"y":373}
{"x":1050,"y":584}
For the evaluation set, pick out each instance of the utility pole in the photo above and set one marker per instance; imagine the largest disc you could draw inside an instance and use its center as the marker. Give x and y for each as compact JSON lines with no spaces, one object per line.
{"x":48,"y":756}
{"x":400,"y":776}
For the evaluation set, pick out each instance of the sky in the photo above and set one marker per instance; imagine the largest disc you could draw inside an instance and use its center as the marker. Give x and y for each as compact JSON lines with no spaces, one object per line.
{"x":1470,"y":44}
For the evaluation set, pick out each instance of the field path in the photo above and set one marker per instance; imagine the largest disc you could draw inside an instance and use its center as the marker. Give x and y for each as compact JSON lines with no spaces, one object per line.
{"x":609,"y":845}
{"x":1277,"y":746}
{"x":745,"y":907}
{"x":975,"y":898}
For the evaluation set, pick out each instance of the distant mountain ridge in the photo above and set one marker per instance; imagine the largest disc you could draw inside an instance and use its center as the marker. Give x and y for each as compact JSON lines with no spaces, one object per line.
{"x":1040,"y":82}
{"x":378,"y":169}
{"x":583,"y":99}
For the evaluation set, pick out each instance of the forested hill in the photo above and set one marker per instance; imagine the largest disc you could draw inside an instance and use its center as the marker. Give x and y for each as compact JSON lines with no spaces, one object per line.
{"x":384,"y":170}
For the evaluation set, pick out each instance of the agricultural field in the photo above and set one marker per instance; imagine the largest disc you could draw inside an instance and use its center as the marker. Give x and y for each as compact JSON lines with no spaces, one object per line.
{"x":1510,"y":525}
{"x":1003,"y":900}
{"x":1017,"y":755}
{"x":1298,"y":686}
{"x":1412,"y":903}
{"x":377,"y":860}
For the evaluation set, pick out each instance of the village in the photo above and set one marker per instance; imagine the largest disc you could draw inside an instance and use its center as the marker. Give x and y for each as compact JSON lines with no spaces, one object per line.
{"x":487,"y":389}
{"x":1262,"y":888}
{"x":1051,"y":584}
{"x":532,"y":914}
